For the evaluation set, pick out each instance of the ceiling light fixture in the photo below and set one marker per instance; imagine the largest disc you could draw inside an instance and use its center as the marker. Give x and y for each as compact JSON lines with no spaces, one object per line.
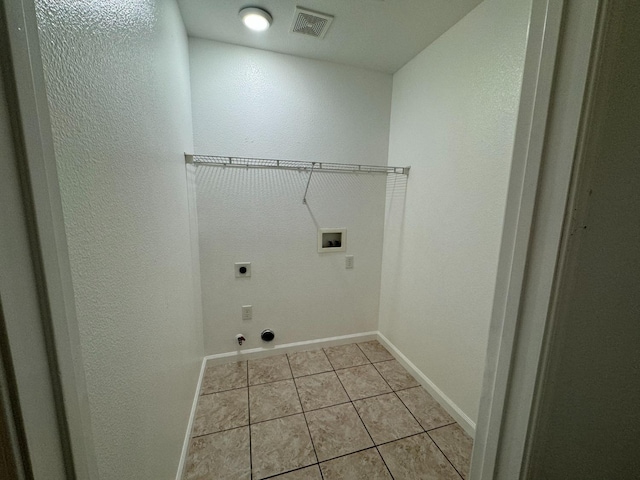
{"x":255,"y":18}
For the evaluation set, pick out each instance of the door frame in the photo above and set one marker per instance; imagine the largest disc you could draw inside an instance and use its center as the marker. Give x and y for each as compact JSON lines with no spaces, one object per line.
{"x":562,"y":52}
{"x":56,"y":340}
{"x":559,"y":51}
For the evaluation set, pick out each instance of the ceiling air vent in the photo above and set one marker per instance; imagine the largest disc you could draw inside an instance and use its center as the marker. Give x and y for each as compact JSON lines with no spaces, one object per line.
{"x":308,"y":22}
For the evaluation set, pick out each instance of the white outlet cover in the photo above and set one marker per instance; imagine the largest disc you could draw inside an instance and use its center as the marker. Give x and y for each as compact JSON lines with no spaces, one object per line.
{"x":348,"y":261}
{"x":247,"y":312}
{"x":246,"y":265}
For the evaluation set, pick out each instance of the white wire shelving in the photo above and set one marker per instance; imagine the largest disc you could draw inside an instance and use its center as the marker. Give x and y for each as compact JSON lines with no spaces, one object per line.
{"x":222,"y":161}
{"x":311,"y":167}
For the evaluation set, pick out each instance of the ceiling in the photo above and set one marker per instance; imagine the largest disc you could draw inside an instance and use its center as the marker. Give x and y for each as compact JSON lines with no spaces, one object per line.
{"x":379,"y":35}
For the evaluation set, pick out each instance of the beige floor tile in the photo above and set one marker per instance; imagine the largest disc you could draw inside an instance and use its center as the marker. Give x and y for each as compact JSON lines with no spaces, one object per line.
{"x":423,"y":406}
{"x":456,"y":445}
{"x":273,"y":400}
{"x":270,"y":369}
{"x":280,"y":445}
{"x":220,"y":456}
{"x":228,"y":376}
{"x":308,"y":363}
{"x":363,"y":381}
{"x":375,"y":352}
{"x":417,"y":457}
{"x":386,"y":418}
{"x":308,"y":473}
{"x":365,"y":465}
{"x":344,"y":356}
{"x":221,"y":411}
{"x":337,"y":431}
{"x":321,"y":390}
{"x":396,"y":375}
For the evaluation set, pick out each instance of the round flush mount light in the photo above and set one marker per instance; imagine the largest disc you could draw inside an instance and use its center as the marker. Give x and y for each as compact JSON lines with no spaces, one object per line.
{"x":255,"y":18}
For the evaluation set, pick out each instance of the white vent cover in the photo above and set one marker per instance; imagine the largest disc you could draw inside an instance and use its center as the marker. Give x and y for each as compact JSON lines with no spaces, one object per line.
{"x":308,"y":22}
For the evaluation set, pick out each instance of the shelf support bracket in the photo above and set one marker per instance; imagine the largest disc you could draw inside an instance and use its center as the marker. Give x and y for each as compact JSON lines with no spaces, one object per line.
{"x":304,"y":199}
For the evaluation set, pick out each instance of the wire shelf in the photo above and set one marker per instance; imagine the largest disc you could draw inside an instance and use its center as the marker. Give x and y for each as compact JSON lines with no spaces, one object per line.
{"x":243,"y":162}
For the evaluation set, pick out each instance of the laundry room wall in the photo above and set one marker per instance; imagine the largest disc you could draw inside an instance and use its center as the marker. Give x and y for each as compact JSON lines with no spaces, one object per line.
{"x":454,"y":115}
{"x":254,"y":103}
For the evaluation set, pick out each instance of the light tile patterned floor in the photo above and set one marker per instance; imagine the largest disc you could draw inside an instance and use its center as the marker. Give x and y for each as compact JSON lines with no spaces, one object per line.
{"x":349,"y":412}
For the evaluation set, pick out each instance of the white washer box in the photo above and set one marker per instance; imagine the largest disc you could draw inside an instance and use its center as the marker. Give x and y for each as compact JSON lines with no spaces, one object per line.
{"x":332,"y":240}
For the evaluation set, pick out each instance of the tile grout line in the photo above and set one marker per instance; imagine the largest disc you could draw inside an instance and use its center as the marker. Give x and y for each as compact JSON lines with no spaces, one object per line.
{"x":290,"y":471}
{"x":394,"y":392}
{"x":305,"y":417}
{"x":445,"y":455}
{"x":334,"y":370}
{"x":419,"y":424}
{"x":362,"y":421}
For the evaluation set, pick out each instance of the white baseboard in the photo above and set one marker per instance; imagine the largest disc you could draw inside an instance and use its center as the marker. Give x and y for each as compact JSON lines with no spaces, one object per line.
{"x":253,"y":353}
{"x":459,"y":416}
{"x":192,"y":415}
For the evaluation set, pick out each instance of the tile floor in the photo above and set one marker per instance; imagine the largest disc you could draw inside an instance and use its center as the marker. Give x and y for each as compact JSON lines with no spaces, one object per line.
{"x":348,"y":412}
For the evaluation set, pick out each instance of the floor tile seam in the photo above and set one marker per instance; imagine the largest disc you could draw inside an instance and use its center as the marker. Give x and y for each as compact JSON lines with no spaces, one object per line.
{"x":328,"y":406}
{"x":271,"y":381}
{"x":292,"y":470}
{"x":354,"y":366}
{"x":315,"y":452}
{"x":309,"y":374}
{"x":440,"y":426}
{"x":377,"y":361}
{"x":394,"y":389}
{"x":324,"y":349}
{"x":445,"y":455}
{"x":359,"y":417}
{"x":410,"y":412}
{"x":363,"y":352}
{"x":371,"y":437}
{"x":221,"y":391}
{"x":403,"y":404}
{"x":315,"y":373}
{"x":257,"y":422}
{"x":219,"y":431}
{"x":277,"y":418}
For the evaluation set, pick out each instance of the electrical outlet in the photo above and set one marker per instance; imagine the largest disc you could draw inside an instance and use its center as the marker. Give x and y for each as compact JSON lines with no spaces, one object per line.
{"x":243,"y":269}
{"x":247,"y":312}
{"x":348,"y":261}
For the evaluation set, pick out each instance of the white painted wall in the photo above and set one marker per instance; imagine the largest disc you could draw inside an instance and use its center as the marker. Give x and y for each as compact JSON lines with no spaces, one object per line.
{"x":254,"y":103}
{"x":453,"y":119}
{"x":118,"y":87}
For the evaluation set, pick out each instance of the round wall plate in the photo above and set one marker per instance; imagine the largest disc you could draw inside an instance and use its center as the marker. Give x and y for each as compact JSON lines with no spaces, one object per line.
{"x":267,"y":335}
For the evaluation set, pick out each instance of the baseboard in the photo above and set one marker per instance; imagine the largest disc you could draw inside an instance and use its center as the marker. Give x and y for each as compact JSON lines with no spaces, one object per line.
{"x":253,"y":353}
{"x":465,"y":422}
{"x":187,"y":436}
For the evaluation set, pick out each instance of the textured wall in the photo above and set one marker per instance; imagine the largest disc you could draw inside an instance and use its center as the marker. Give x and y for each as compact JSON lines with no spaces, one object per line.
{"x":453,"y":116}
{"x":261,"y":104}
{"x":118,"y":87}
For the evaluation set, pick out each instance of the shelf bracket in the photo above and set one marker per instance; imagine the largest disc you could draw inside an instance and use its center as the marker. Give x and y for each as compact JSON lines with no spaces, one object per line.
{"x":304,"y":199}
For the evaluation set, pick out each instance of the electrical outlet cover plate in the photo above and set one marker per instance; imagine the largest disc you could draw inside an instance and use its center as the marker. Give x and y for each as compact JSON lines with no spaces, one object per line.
{"x":247,"y":312}
{"x":243,"y":269}
{"x":348,"y":261}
